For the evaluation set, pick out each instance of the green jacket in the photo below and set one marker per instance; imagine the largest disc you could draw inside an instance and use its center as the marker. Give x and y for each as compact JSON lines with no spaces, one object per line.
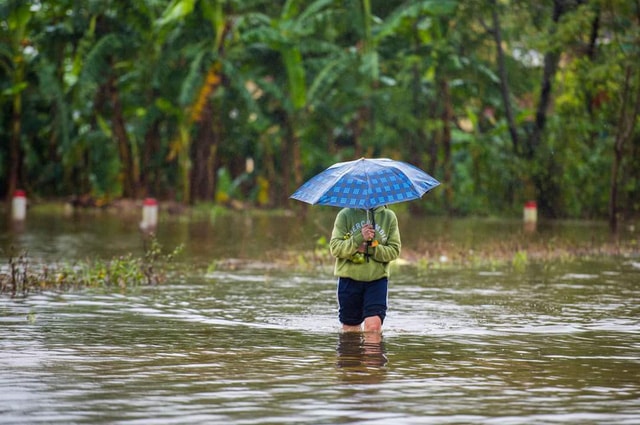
{"x":346,"y":238}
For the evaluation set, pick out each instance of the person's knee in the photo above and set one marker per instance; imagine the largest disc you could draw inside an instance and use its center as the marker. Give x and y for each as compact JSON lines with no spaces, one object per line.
{"x":373,"y":324}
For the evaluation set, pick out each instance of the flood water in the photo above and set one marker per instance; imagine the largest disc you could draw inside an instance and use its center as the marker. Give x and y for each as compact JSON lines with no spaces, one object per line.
{"x":553,"y":343}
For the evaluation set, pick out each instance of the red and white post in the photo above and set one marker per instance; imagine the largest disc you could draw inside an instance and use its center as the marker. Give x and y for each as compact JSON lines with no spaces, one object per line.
{"x":530,"y":216}
{"x":19,"y":206}
{"x":149,"y":214}
{"x":530,"y":212}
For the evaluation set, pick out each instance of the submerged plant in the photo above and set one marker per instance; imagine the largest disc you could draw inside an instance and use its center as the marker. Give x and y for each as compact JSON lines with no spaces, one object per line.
{"x":121,"y":272}
{"x":520,"y":260}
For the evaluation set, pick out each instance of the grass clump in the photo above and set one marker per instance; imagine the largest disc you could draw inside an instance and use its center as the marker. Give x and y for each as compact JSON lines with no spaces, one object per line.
{"x":22,"y":276}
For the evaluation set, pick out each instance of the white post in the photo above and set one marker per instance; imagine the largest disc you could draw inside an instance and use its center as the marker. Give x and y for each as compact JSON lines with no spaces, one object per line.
{"x":19,"y":206}
{"x":530,"y":216}
{"x":149,"y":214}
{"x":530,"y":212}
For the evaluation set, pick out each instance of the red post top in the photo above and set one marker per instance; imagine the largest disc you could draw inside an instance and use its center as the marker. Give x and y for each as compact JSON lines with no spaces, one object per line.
{"x":19,"y":194}
{"x":531,"y":204}
{"x":149,"y":202}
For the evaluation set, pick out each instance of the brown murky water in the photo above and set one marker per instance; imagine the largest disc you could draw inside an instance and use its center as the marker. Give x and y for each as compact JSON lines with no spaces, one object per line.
{"x":552,"y":343}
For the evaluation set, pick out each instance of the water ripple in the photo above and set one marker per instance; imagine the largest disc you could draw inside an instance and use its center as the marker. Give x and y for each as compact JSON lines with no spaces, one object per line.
{"x":561,"y":346}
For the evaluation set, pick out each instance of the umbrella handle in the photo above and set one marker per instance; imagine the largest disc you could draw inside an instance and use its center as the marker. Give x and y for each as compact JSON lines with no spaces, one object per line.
{"x":373,"y":223}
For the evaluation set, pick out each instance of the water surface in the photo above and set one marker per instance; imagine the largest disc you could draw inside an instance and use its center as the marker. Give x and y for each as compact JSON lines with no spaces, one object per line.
{"x":557,"y":342}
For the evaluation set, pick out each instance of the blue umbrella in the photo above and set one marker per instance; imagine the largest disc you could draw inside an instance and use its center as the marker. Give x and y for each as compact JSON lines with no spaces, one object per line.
{"x":366,"y":184}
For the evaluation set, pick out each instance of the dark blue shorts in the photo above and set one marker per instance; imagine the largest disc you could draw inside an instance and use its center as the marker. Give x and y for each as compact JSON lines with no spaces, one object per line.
{"x":359,"y":300}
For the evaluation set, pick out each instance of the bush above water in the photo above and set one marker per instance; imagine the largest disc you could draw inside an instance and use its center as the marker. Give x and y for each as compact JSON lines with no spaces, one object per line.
{"x":23,"y":276}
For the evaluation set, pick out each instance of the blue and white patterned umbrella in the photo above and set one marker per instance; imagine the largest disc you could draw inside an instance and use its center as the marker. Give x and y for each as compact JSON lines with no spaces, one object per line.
{"x":366,"y":184}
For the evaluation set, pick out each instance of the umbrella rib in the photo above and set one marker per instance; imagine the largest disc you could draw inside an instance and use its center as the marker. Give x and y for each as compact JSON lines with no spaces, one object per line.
{"x":337,"y":177}
{"x":366,"y":175}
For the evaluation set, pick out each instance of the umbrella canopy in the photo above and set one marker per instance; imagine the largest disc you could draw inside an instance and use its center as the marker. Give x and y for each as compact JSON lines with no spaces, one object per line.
{"x":366,"y":184}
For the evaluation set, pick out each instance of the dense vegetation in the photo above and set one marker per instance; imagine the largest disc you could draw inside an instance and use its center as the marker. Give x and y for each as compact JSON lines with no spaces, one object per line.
{"x":219,"y":100}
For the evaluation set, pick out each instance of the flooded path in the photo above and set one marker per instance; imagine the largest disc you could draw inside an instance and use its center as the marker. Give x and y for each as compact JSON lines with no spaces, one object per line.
{"x":553,"y":343}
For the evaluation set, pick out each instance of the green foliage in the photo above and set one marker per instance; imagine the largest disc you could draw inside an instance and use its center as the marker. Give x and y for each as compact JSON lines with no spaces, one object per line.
{"x":97,"y":64}
{"x":176,"y":11}
{"x":407,"y":14}
{"x":316,"y":82}
{"x":120,"y":272}
{"x":520,"y":261}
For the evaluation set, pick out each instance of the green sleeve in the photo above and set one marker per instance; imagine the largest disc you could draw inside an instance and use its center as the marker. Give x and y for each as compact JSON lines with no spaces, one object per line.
{"x":340,"y":246}
{"x":389,"y":251}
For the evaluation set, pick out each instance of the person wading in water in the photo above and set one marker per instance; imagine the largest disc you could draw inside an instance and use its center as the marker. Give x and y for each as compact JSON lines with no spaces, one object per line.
{"x":364,"y":242}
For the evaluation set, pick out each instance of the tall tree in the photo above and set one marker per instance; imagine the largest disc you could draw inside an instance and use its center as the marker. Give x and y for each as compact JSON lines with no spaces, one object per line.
{"x":425,"y":68}
{"x":14,"y":63}
{"x":530,"y":148}
{"x":627,"y":54}
{"x":284,"y":34}
{"x":197,"y":155}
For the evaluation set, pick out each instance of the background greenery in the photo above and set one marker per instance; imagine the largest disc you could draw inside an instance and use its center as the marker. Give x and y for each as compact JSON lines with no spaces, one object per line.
{"x":242,"y":100}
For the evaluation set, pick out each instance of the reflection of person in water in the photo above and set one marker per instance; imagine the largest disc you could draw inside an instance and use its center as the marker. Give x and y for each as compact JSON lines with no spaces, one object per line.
{"x":361,"y":352}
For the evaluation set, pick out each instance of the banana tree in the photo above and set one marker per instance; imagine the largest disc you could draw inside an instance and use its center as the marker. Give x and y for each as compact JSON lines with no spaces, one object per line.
{"x":285,"y":35}
{"x":107,"y":75}
{"x":14,"y":64}
{"x":426,"y":67}
{"x":198,"y":85}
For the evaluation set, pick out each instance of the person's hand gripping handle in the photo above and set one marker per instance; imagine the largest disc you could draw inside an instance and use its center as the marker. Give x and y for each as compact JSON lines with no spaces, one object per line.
{"x":368,"y":233}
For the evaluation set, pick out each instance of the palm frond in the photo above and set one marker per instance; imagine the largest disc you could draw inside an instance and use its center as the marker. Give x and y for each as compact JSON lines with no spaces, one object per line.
{"x":315,"y":9}
{"x":292,"y":59}
{"x":193,"y":80}
{"x":414,"y":10}
{"x":327,"y":77}
{"x":252,"y":20}
{"x":265,"y":35}
{"x":51,"y":88}
{"x":177,"y":10}
{"x":316,"y":47}
{"x":6,"y":56}
{"x":97,"y":65}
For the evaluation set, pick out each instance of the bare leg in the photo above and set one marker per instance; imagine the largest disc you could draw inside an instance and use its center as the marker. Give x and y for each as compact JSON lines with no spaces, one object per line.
{"x":372,"y":339}
{"x":373,"y":324}
{"x":351,"y":328}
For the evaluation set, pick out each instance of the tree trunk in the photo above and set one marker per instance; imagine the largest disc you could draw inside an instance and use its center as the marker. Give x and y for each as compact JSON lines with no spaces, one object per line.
{"x":504,"y":81}
{"x":545,"y":186}
{"x":433,"y":142}
{"x":269,"y":169}
{"x":551,"y":60}
{"x":626,"y":124}
{"x":150,"y":171}
{"x":15,"y":158}
{"x":591,"y":54}
{"x":357,"y":126}
{"x":202,"y":148}
{"x":200,"y":155}
{"x":292,"y":163}
{"x":446,"y":118}
{"x":129,"y":174}
{"x":213,"y":160}
{"x":286,"y":174}
{"x":613,"y":194}
{"x":417,"y":138}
